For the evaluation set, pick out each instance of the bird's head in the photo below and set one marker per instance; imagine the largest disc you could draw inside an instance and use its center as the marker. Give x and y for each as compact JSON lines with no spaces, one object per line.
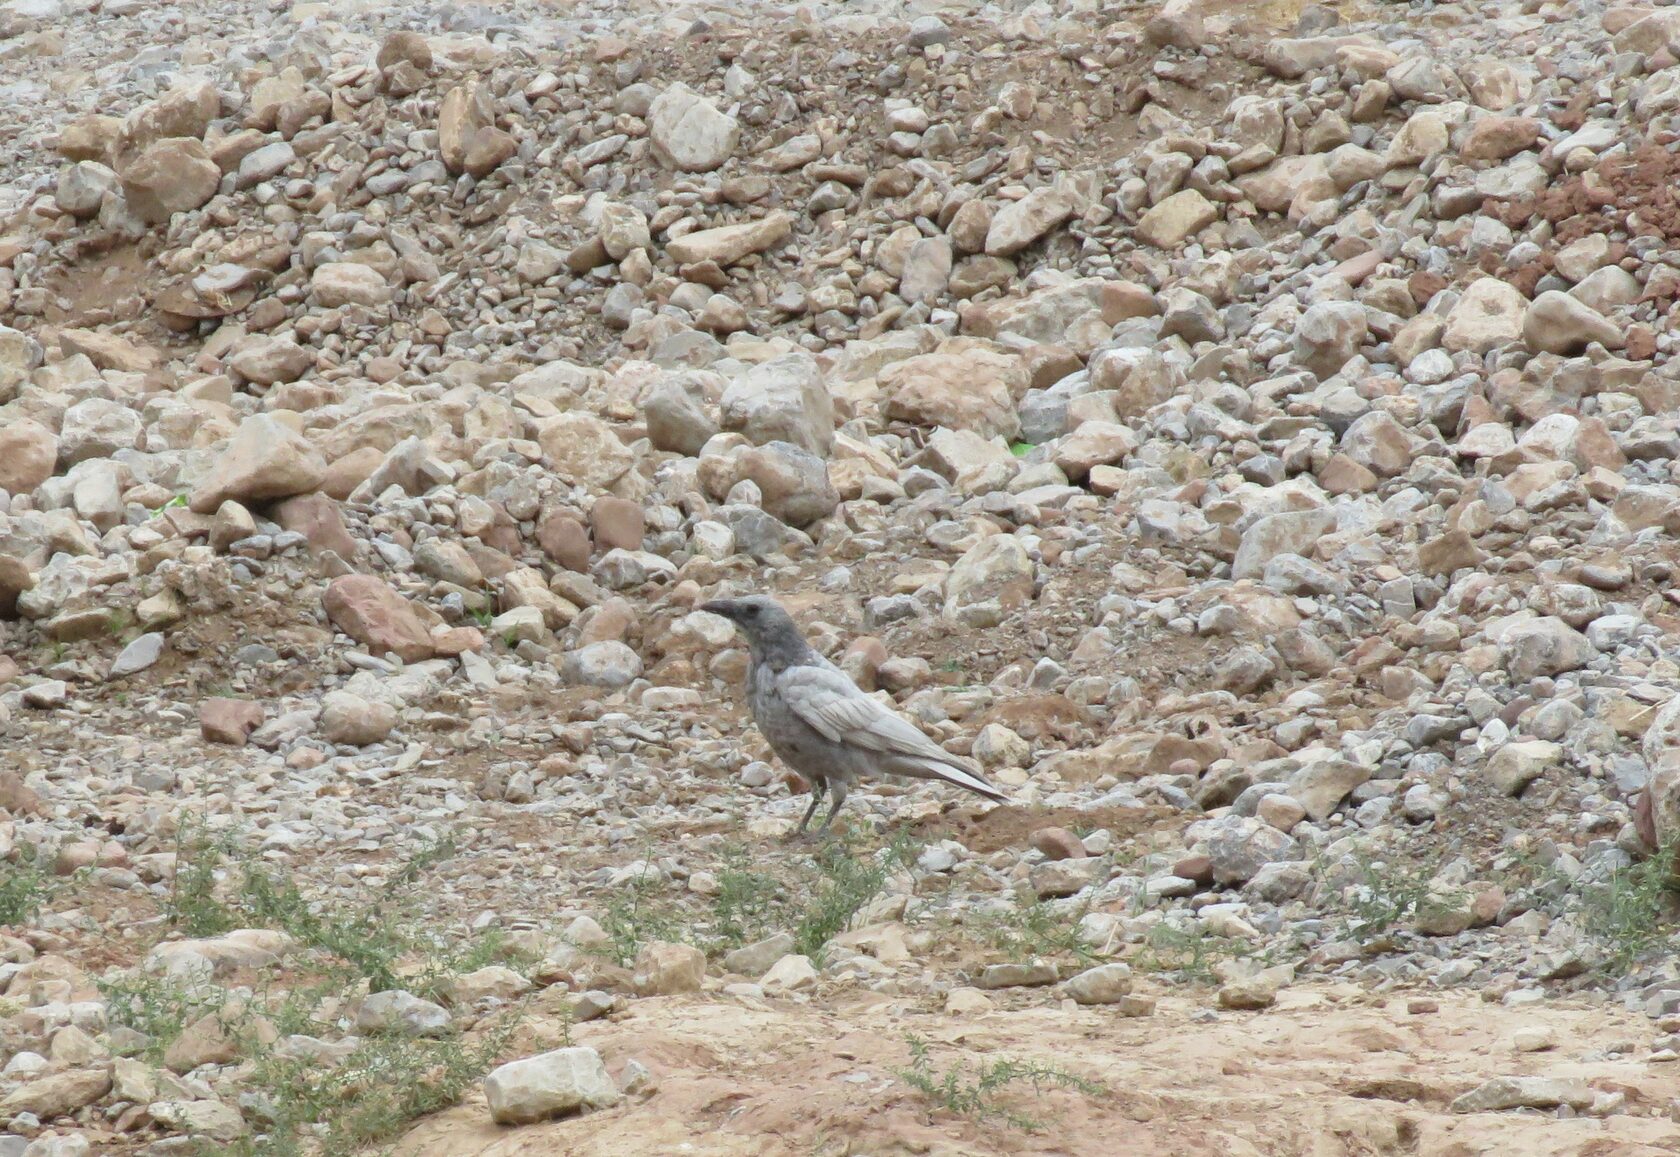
{"x":762,"y":620}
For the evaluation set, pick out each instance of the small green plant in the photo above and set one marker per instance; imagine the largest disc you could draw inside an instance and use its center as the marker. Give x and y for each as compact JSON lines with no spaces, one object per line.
{"x":848,"y":882}
{"x":24,"y":887}
{"x":178,"y":500}
{"x":748,"y":905}
{"x":153,"y":1006}
{"x":1189,"y":952}
{"x":118,"y":622}
{"x":635,"y":918}
{"x":369,"y":1096}
{"x":1633,"y":911}
{"x":316,"y":1106}
{"x":219,"y":887}
{"x":977,"y":1093}
{"x":1021,"y":449}
{"x":192,"y":904}
{"x":481,"y":615}
{"x":1380,"y":895}
{"x":1040,"y":929}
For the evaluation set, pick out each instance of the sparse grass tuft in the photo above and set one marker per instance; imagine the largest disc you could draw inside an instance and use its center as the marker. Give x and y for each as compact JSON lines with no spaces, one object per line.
{"x":192,"y":904}
{"x":157,"y":1008}
{"x":24,"y":887}
{"x":386,"y":1083}
{"x":977,"y":1094}
{"x":1190,"y":952}
{"x":1040,"y":930}
{"x":749,"y":904}
{"x":840,"y":879}
{"x":368,"y":940}
{"x":368,"y":1097}
{"x":847,"y":883}
{"x":318,"y":1106}
{"x":1386,"y":895}
{"x":1634,"y":910}
{"x":637,"y":917}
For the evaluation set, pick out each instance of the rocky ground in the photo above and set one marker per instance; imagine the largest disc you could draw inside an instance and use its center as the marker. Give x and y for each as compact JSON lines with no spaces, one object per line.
{"x":1251,"y":431}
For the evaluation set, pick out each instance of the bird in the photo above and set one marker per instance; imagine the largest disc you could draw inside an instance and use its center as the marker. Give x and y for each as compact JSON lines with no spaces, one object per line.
{"x":821,"y":723}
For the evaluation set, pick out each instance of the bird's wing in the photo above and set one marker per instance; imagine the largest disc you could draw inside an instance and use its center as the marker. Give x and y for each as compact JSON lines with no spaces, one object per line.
{"x":831,"y":703}
{"x":825,"y":698}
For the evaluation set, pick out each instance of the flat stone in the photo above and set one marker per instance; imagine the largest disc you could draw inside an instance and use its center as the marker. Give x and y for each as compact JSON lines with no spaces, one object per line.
{"x":1032,"y":974}
{"x":142,"y":653}
{"x":403,"y":1013}
{"x":689,"y":132}
{"x":727,"y":244}
{"x":1502,"y":1093}
{"x":369,"y":611}
{"x":1177,"y":218}
{"x":1020,"y":223}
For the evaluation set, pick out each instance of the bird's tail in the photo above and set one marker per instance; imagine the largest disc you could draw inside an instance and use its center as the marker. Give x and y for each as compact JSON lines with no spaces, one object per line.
{"x":953,"y":773}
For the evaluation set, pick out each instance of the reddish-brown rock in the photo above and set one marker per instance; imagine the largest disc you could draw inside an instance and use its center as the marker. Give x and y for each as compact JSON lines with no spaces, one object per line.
{"x":16,"y":797}
{"x":1197,"y":868}
{"x":458,"y":639}
{"x":564,"y":539}
{"x":350,"y":471}
{"x":376,"y":616}
{"x":616,"y":523}
{"x":229,"y":721}
{"x":28,"y":454}
{"x":1059,"y":844}
{"x":316,"y":517}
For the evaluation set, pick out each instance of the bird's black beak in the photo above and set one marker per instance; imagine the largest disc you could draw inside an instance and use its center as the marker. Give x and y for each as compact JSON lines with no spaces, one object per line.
{"x":725,"y":608}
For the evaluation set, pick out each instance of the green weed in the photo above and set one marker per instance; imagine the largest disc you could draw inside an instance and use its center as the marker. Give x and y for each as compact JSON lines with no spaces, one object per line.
{"x":848,"y":882}
{"x":24,"y":887}
{"x":1040,"y":930}
{"x":156,"y":1008}
{"x":749,"y":905}
{"x":638,"y":917}
{"x":977,"y":1093}
{"x":1629,"y":914}
{"x":369,"y":1097}
{"x":1190,"y":952}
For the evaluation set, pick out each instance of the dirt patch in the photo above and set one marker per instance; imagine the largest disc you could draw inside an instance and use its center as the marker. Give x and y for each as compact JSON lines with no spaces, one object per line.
{"x":1366,"y":1076}
{"x":1638,"y":193}
{"x":1012,"y":827}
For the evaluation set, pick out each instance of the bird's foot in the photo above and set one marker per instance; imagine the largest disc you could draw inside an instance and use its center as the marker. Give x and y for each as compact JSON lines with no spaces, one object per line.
{"x":800,"y":836}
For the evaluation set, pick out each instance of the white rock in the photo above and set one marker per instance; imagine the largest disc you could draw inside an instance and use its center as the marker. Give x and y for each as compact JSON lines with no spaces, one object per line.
{"x":549,"y":1085}
{"x":689,"y":132}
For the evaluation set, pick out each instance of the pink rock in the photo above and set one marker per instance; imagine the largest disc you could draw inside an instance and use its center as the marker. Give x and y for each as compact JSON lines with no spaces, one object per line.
{"x":229,"y":721}
{"x":316,"y":517}
{"x":1059,"y":844}
{"x":616,"y":523}
{"x":373,"y":614}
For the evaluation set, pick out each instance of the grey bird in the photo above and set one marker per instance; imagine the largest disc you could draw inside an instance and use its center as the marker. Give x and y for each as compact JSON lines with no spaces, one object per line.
{"x":821,"y":724}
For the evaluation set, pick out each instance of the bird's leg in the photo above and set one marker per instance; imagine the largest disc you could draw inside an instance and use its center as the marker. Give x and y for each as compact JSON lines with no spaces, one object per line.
{"x":838,"y":790}
{"x":817,"y":787}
